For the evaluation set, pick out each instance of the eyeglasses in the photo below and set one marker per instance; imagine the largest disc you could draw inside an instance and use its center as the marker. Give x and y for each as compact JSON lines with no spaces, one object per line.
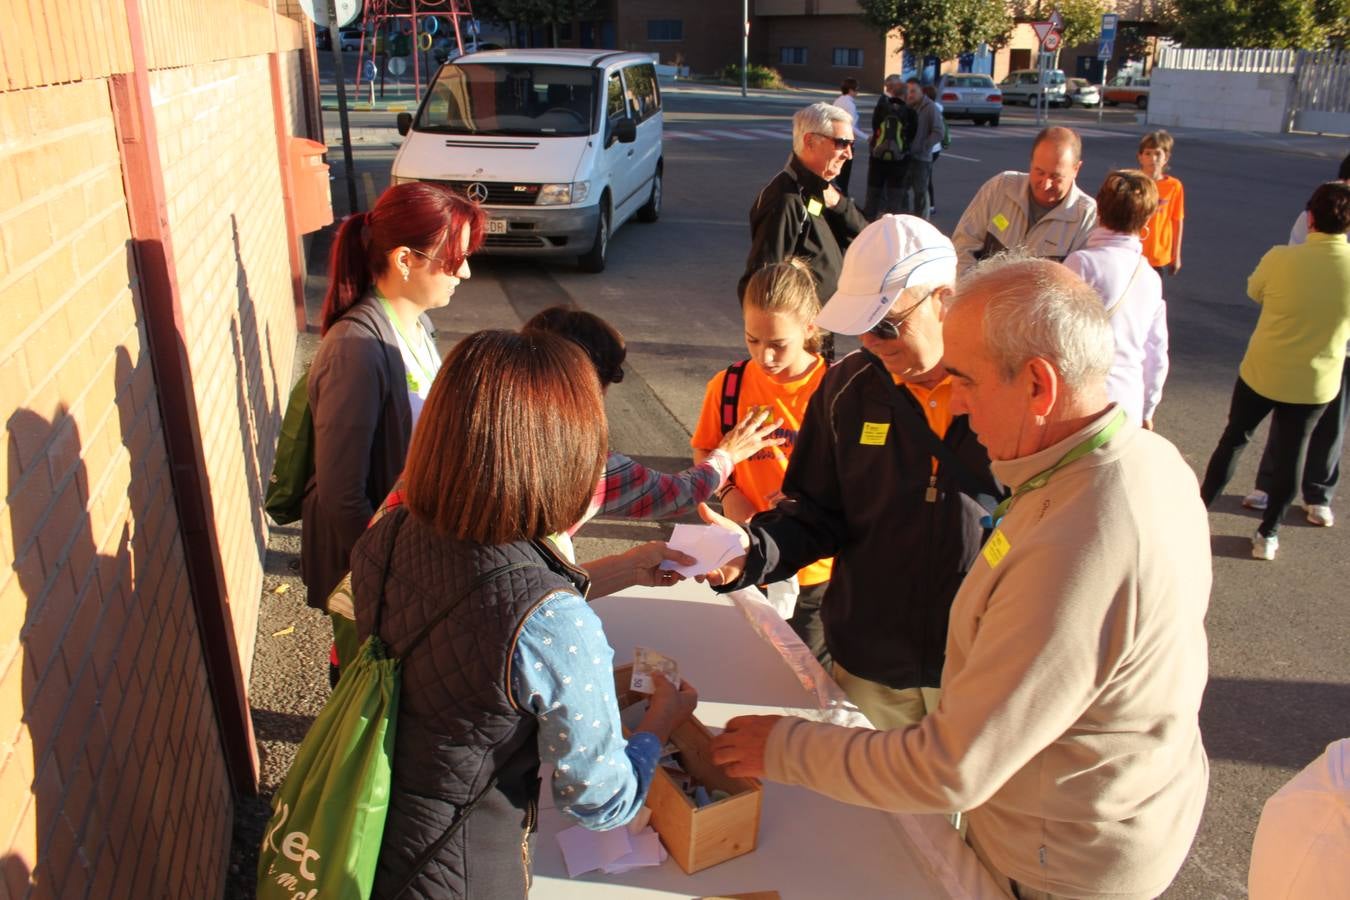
{"x":839,"y":143}
{"x":448,"y":265}
{"x":888,"y":329}
{"x":616,"y":376}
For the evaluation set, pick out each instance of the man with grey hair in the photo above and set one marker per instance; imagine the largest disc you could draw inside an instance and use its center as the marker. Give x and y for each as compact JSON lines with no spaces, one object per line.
{"x":799,"y":212}
{"x":883,"y":478}
{"x":1076,"y":654}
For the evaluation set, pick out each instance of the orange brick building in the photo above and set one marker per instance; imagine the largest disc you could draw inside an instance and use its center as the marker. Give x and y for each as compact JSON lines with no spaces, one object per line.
{"x":151,"y":273}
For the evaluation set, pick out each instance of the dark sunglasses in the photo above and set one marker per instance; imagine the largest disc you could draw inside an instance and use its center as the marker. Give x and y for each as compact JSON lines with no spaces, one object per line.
{"x":839,"y":143}
{"x":888,"y":329}
{"x":448,"y":265}
{"x":616,"y":376}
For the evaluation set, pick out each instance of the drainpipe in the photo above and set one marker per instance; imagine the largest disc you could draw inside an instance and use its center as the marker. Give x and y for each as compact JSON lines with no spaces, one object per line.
{"x":280,"y":126}
{"x":143,"y":181}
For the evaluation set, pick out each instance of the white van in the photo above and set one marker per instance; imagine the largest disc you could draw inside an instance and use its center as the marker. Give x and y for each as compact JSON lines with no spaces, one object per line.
{"x":560,"y":147}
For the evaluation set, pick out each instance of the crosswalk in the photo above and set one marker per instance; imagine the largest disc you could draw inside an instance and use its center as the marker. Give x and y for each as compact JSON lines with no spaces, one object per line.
{"x":1003,"y":133}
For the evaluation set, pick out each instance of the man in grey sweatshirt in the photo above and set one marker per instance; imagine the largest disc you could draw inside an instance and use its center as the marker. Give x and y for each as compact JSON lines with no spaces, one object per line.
{"x":914,"y":187}
{"x":1068,"y":725}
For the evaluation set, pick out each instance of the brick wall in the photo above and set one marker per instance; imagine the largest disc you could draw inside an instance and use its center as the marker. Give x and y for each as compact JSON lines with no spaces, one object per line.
{"x":711,"y":28}
{"x":820,"y":35}
{"x":113,"y":777}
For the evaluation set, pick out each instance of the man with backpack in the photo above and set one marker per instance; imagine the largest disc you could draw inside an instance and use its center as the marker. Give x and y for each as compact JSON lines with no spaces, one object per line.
{"x":893,"y":128}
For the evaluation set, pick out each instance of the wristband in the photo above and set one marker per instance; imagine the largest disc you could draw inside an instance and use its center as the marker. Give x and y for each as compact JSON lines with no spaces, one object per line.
{"x":725,"y":489}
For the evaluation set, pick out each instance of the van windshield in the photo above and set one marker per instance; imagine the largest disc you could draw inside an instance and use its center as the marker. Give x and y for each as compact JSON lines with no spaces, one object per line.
{"x":510,"y":98}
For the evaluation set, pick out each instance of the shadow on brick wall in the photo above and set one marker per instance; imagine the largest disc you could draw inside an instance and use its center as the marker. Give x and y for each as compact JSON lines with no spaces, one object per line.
{"x":251,"y":384}
{"x":94,"y":682}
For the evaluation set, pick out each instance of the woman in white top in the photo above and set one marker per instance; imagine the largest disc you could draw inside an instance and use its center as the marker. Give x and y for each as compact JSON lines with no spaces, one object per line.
{"x":1113,"y":263}
{"x":847,"y":101}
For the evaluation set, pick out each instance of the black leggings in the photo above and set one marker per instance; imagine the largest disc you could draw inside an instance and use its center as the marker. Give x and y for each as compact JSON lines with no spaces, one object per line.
{"x":1287,"y":446}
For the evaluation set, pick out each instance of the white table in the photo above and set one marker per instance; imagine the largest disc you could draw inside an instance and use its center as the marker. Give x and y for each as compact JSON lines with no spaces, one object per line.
{"x":809,"y":845}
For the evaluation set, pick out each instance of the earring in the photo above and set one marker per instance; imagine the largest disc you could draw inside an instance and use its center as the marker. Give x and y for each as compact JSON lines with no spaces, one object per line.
{"x":405,"y":274}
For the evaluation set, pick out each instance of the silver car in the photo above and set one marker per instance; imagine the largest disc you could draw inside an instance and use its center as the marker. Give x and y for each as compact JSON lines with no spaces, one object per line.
{"x":967,"y":96}
{"x":1033,"y":87}
{"x":1083,"y":92}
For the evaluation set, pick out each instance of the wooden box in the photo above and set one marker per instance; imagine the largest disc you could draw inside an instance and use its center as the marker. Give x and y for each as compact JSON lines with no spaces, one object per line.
{"x":698,"y":837}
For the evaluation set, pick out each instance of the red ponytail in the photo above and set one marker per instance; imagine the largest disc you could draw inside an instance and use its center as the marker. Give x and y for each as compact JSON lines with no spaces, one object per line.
{"x":418,"y":215}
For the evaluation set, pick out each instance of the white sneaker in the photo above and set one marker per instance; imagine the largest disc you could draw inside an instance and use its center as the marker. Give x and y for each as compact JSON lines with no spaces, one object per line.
{"x":1257,"y":500}
{"x":1320,"y":514}
{"x":1264,"y":547}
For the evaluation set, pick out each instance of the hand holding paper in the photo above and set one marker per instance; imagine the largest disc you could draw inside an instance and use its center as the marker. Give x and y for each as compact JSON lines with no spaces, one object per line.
{"x":711,"y":546}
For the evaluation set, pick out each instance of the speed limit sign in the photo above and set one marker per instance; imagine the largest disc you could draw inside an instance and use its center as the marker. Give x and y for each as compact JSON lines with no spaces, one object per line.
{"x":1051,"y":42}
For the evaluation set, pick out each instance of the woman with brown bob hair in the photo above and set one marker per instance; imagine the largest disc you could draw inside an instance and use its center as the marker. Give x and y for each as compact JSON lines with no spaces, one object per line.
{"x":375,"y":367}
{"x":514,"y":669}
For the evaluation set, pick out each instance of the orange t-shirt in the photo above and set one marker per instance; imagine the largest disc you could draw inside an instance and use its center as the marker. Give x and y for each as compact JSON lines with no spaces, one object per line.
{"x":936,"y":403}
{"x":1163,"y":225}
{"x":761,"y":476}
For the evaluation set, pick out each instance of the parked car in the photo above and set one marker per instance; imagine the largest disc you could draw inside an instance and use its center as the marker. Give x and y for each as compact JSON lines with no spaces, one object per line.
{"x":560,"y":147}
{"x":323,"y":38}
{"x":1033,"y":87}
{"x":1083,"y":92}
{"x":1131,"y":90}
{"x":967,"y":96}
{"x":350,"y":39}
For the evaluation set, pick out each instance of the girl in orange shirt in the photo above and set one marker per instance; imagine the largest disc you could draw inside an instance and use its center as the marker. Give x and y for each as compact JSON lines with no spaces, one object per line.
{"x":1162,"y":234}
{"x":784,"y":369}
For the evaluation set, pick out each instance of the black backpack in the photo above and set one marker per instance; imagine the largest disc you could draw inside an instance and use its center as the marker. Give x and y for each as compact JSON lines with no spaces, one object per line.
{"x":888,"y":144}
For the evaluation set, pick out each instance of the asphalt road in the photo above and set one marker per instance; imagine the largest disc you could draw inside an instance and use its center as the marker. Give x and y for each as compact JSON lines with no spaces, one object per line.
{"x":1280,"y":668}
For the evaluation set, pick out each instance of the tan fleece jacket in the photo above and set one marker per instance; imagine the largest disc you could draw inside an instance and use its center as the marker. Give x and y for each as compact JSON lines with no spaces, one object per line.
{"x":1068,"y":725}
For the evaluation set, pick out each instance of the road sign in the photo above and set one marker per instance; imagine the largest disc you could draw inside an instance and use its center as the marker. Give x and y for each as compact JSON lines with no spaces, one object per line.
{"x":397,"y":65}
{"x":317,"y":10}
{"x":1042,"y":29}
{"x":1106,"y":49}
{"x":1056,"y":20}
{"x":1051,"y":41}
{"x":1109,"y":23}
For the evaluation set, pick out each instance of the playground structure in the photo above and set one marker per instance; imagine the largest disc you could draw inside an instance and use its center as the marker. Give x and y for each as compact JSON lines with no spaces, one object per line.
{"x":418,"y":20}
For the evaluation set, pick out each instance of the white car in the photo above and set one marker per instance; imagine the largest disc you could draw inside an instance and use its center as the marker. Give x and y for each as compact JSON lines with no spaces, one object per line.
{"x":560,"y":147}
{"x":1083,"y":92}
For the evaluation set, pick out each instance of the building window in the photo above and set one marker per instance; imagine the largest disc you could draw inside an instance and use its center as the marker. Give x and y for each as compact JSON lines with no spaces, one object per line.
{"x":848,"y":57}
{"x":665,"y":29}
{"x":792,"y":56}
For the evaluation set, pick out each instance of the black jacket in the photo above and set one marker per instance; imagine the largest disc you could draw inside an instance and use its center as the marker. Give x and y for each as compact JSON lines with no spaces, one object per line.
{"x":460,"y":734}
{"x":909,"y":120}
{"x":790,"y":218}
{"x":899,"y":559}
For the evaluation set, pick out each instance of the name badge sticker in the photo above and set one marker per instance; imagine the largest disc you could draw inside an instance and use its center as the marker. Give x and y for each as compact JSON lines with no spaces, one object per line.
{"x":874,"y":433}
{"x":995,"y":549}
{"x":1001,"y":222}
{"x":814,"y":206}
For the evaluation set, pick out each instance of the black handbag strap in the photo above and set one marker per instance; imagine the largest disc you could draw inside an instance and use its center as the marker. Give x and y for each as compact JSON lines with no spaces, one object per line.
{"x":913,"y":420}
{"x":436,"y":846}
{"x":445,"y":610}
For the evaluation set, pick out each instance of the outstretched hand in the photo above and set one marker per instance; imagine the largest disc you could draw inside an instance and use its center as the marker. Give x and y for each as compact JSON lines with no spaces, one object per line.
{"x":732,"y":569}
{"x":751,"y":435}
{"x":739,"y":750}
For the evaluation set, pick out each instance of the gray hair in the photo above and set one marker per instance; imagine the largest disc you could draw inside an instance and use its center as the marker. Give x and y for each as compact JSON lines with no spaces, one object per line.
{"x":818,"y":118}
{"x":1038,"y":308}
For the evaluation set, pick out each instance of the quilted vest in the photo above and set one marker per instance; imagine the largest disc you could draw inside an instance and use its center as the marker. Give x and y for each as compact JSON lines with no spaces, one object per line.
{"x":458,"y":724}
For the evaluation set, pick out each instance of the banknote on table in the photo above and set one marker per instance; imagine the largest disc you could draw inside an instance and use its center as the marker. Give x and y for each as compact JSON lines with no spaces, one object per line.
{"x":645,"y":662}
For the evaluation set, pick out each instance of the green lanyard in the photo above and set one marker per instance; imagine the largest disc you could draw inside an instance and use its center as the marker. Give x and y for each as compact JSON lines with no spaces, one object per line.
{"x":412,"y":348}
{"x":1040,"y":480}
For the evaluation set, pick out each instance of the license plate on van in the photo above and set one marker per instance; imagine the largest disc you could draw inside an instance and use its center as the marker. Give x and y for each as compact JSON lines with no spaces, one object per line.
{"x":496,"y":226}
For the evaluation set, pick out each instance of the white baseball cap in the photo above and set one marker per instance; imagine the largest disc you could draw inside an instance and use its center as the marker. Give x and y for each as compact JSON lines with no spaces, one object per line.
{"x":885,"y":258}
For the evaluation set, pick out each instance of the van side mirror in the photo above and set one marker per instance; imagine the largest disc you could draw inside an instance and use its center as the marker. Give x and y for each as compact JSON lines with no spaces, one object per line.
{"x":404,"y":123}
{"x":624,"y":131}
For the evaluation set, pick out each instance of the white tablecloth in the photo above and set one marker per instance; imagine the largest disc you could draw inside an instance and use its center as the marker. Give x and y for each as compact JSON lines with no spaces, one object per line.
{"x":809,"y":846}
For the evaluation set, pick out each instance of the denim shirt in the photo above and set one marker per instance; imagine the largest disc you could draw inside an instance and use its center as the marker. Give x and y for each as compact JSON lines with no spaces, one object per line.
{"x":563,"y":672}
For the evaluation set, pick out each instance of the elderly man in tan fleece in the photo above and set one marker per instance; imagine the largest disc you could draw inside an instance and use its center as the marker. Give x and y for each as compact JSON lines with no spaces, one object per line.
{"x":1076,"y":653}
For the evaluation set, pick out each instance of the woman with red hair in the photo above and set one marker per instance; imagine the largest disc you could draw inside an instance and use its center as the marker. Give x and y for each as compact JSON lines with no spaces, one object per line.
{"x":375,"y":366}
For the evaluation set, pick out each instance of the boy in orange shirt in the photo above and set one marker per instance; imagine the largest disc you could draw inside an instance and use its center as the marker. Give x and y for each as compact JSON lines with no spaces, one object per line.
{"x":783,"y":371}
{"x":1162,"y":235}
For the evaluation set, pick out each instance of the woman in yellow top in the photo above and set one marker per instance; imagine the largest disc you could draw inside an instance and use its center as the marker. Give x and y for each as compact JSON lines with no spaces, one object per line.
{"x":784,"y":369}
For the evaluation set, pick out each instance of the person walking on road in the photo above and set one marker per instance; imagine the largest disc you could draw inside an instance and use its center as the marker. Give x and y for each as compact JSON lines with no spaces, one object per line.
{"x":893,"y":126}
{"x":931,"y":93}
{"x":848,"y":102}
{"x":1042,"y":213}
{"x":1322,"y":469}
{"x":1162,"y":238}
{"x":1115,"y":265}
{"x":1069,"y":725}
{"x":919,"y":155}
{"x":1295,"y":360}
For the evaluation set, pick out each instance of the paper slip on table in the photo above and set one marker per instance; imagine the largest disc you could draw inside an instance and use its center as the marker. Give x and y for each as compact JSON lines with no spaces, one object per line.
{"x":744,"y":660}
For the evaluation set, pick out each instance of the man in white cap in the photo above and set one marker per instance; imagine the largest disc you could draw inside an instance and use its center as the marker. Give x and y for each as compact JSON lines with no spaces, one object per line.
{"x":883,"y":478}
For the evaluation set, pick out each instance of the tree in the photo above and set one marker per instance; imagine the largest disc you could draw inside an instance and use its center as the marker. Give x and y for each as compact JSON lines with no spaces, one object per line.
{"x":1272,"y":24}
{"x":529,"y":13}
{"x":1082,"y":20}
{"x":941,"y":28}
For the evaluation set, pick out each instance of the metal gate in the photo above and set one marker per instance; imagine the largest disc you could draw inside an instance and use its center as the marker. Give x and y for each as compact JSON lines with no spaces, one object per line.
{"x":1321,"y":92}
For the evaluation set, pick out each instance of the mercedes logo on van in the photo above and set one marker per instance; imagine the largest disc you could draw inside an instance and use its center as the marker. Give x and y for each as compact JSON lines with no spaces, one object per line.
{"x":477,"y":192}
